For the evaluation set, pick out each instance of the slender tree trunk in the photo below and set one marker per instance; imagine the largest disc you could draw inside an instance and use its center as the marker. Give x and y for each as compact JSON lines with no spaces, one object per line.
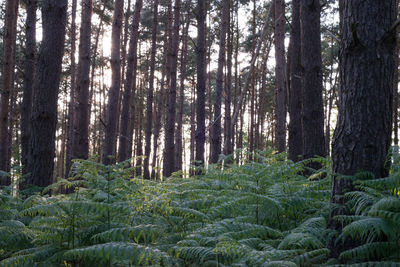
{"x":295,"y":141}
{"x":228,"y":92}
{"x":128,"y":110}
{"x":178,"y":135}
{"x":362,"y":137}
{"x":280,"y":81}
{"x":192,"y":127}
{"x":9,"y":38}
{"x":396,"y":89}
{"x":45,"y":93}
{"x":80,"y":137}
{"x":149,"y":111}
{"x":201,"y":82}
{"x":29,"y":70}
{"x":313,"y":110}
{"x":72,"y":100}
{"x":252,"y":89}
{"x":169,"y":159}
{"x":110,"y":139}
{"x":216,"y":123}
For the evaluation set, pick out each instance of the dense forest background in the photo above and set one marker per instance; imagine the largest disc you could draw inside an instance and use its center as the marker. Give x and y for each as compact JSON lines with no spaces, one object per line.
{"x":199,"y":133}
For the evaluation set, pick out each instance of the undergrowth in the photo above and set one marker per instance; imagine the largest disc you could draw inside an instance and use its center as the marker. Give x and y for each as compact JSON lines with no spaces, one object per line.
{"x":263,"y":213}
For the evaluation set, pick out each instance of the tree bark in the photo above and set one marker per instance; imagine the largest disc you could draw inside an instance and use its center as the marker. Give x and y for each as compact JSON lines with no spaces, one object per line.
{"x":9,"y":46}
{"x":128,"y":110}
{"x":228,"y":149}
{"x":45,"y":93}
{"x":169,"y":159}
{"x":216,"y":123}
{"x":313,"y":109}
{"x":295,"y":141}
{"x":362,"y":137}
{"x":178,"y":135}
{"x":200,"y":134}
{"x":150,"y":94}
{"x":280,"y":80}
{"x":110,"y":139}
{"x":80,"y":137}
{"x":29,"y":70}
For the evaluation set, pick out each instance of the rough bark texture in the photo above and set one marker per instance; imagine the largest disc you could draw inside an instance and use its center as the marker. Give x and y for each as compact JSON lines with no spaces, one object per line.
{"x":29,"y":70}
{"x":127,"y":113}
{"x":45,"y":93}
{"x":216,"y":123}
{"x":80,"y":137}
{"x":228,"y":147}
{"x":169,"y":158}
{"x":295,"y":141}
{"x":280,"y":80}
{"x":110,"y":139}
{"x":179,"y":118}
{"x":200,"y":134}
{"x":396,"y":90}
{"x":150,"y":94}
{"x":9,"y":37}
{"x":313,"y":109}
{"x":363,"y":134}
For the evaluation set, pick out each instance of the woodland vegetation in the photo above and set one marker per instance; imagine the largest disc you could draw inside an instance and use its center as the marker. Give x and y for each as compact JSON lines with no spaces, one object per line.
{"x":199,"y":133}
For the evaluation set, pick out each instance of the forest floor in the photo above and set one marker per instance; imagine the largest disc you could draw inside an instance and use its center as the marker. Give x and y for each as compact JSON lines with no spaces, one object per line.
{"x":263,"y":213}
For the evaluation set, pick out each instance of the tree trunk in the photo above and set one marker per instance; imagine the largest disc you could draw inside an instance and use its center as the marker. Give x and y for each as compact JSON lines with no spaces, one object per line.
{"x":45,"y":93}
{"x":149,"y":111}
{"x":29,"y":70}
{"x":280,"y":81}
{"x":110,"y":139}
{"x":295,"y":141}
{"x":9,"y":38}
{"x":396,"y":90}
{"x":72,"y":100}
{"x":178,"y":135}
{"x":228,"y":149}
{"x":169,"y":159}
{"x":80,"y":137}
{"x":200,"y":135}
{"x":313,"y":109}
{"x":216,"y":123}
{"x":362,"y":137}
{"x":127,"y":113}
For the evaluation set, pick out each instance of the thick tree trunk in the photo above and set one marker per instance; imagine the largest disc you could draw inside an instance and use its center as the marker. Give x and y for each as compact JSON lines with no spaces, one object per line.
{"x":149,"y":110}
{"x":295,"y":141}
{"x":178,"y":136}
{"x":80,"y":137}
{"x":200,"y":135}
{"x":72,"y":96}
{"x":362,"y":137}
{"x":128,"y":110}
{"x":280,"y":80}
{"x":216,"y":123}
{"x":29,"y":70}
{"x":45,"y":93}
{"x":169,"y":159}
{"x":9,"y":38}
{"x":313,"y":109}
{"x":110,"y":139}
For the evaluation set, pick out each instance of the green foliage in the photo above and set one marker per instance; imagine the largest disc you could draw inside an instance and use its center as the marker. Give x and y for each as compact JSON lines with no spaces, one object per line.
{"x":263,"y":213}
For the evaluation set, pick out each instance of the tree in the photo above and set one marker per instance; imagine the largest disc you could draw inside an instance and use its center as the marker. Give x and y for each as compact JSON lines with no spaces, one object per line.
{"x":295,"y":141}
{"x":128,"y":110}
{"x":149,"y":111}
{"x":169,"y":158}
{"x":9,"y":39}
{"x":29,"y":70}
{"x":313,"y":110}
{"x":362,"y":136}
{"x":200,"y":134}
{"x":80,"y":137}
{"x":216,"y":123}
{"x":113,"y":95}
{"x":280,"y":81}
{"x":45,"y":93}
